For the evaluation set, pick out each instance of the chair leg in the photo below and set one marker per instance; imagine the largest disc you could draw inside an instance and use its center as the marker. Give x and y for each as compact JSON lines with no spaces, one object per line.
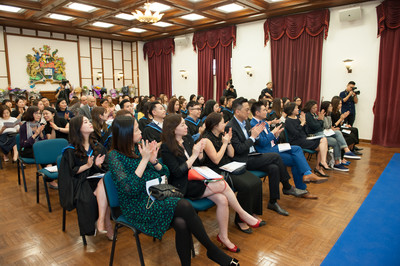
{"x":37,"y":187}
{"x":19,"y":174}
{"x":84,"y":240}
{"x":113,"y":244}
{"x":47,"y":193}
{"x":139,"y":248}
{"x":23,"y":177}
{"x":63,"y":219}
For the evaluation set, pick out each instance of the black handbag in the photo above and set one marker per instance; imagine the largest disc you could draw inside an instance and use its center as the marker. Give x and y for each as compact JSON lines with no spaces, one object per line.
{"x":163,"y":191}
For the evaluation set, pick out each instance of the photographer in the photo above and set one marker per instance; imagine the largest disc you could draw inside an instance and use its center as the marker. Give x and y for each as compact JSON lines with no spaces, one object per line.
{"x":230,"y":89}
{"x":349,"y":97}
{"x":64,"y":90}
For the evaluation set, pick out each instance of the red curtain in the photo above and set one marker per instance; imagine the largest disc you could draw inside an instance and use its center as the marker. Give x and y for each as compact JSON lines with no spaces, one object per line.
{"x":296,"y":53}
{"x":159,"y":54}
{"x":386,"y":108}
{"x":218,"y":45}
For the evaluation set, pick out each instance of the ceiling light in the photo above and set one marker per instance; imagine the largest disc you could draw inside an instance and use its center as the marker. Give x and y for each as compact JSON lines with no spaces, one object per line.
{"x":137,"y":30}
{"x":192,"y":17}
{"x":81,"y":7}
{"x":162,"y":24}
{"x":10,"y":8}
{"x":60,"y":17}
{"x":158,"y":7}
{"x":125,"y":16}
{"x":230,"y":8}
{"x":102,"y":24}
{"x":147,"y":17}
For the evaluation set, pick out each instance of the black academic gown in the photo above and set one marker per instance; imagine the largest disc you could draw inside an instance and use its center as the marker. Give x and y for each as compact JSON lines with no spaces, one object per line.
{"x":152,"y":132}
{"x":227,"y":114}
{"x":143,"y":122}
{"x":193,"y":126}
{"x":76,"y":191}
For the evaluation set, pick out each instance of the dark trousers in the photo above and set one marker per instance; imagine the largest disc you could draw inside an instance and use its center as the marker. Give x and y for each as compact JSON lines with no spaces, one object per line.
{"x":249,"y":193}
{"x":350,"y":119}
{"x":273,"y":165}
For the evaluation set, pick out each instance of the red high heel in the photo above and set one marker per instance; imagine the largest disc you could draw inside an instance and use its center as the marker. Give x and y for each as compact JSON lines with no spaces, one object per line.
{"x":258,"y":223}
{"x":235,"y":249}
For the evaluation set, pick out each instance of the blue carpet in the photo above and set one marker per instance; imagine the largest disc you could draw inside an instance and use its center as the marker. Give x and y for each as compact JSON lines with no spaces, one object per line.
{"x":373,"y":235}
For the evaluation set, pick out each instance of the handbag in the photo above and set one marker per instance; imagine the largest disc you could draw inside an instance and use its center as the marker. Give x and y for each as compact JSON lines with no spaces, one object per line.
{"x":241,"y":170}
{"x":163,"y":191}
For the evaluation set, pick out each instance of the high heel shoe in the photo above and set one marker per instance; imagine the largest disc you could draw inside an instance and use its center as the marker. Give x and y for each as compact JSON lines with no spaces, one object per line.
{"x":319,"y":173}
{"x":98,"y":232}
{"x":256,"y":225}
{"x":234,"y":262}
{"x":320,"y":164}
{"x":235,"y":249}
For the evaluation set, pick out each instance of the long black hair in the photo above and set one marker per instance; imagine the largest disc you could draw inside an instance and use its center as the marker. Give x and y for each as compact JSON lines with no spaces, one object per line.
{"x":208,"y":108}
{"x":122,"y":135}
{"x":76,"y":137}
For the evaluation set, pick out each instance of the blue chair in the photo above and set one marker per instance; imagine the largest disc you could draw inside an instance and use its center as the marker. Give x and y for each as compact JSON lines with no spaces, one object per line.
{"x":119,"y":219}
{"x":20,"y":164}
{"x":64,"y":210}
{"x":308,"y":151}
{"x":46,"y":152}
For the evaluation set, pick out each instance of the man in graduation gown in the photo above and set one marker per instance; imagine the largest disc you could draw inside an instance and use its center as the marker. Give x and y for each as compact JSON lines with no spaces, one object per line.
{"x":153,"y":130}
{"x":227,"y":111}
{"x":193,"y":121}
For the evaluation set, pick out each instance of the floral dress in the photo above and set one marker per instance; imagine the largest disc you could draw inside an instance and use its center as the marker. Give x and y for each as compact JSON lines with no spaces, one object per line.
{"x":132,"y":195}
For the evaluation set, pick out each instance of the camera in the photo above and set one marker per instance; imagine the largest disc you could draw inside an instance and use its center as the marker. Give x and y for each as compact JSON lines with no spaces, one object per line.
{"x":64,"y":82}
{"x":357,"y":92}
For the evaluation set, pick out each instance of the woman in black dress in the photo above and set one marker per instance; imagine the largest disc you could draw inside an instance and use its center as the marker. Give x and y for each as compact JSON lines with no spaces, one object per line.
{"x":294,"y":127}
{"x":102,"y":131}
{"x":62,"y":110}
{"x":19,"y":108}
{"x":179,"y":153}
{"x":56,"y":127}
{"x":218,"y":152}
{"x":83,"y":158}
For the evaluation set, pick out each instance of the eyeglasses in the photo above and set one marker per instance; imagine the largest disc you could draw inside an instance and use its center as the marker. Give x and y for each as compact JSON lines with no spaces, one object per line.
{"x":37,"y":113}
{"x":198,"y":109}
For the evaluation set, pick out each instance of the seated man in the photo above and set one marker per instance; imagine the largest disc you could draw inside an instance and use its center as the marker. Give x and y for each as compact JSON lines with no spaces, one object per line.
{"x":243,"y":141}
{"x":193,"y":121}
{"x":153,"y":130}
{"x":227,"y":111}
{"x":125,"y":104}
{"x":86,"y":110}
{"x":267,"y":142}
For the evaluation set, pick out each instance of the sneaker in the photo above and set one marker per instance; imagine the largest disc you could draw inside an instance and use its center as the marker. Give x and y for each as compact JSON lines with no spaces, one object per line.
{"x":346,"y":163}
{"x":340,"y":167}
{"x":350,"y":155}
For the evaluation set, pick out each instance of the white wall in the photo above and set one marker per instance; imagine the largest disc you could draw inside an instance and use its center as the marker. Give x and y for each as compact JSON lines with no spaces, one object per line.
{"x":356,"y":40}
{"x":143,"y":70}
{"x":250,"y":51}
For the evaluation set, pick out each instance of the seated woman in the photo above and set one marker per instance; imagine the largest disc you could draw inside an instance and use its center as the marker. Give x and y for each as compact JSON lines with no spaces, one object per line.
{"x":184,"y":111}
{"x":337,"y":122}
{"x":102,"y":131}
{"x":294,"y":127}
{"x":85,"y":157}
{"x":276,"y":113}
{"x":218,"y":152}
{"x":210,"y":107}
{"x":328,"y":124}
{"x":8,"y":133}
{"x":62,"y":110}
{"x":56,"y":127}
{"x":174,"y":106}
{"x":30,"y":131}
{"x":179,"y":153}
{"x":19,"y":108}
{"x":146,"y":118}
{"x":315,"y":126}
{"x":131,"y":166}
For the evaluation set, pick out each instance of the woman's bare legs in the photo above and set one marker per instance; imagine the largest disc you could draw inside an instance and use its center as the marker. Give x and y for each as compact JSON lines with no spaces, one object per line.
{"x":322,"y":152}
{"x":101,"y":197}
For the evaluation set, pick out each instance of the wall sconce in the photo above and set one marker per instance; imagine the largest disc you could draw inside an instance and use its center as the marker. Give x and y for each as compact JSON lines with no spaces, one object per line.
{"x":99,"y":75}
{"x":348,"y":63}
{"x":120,"y":76}
{"x":184,"y":73}
{"x":249,"y":70}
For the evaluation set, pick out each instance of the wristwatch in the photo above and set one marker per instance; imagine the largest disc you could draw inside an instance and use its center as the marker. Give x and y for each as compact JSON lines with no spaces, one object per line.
{"x":154,"y":164}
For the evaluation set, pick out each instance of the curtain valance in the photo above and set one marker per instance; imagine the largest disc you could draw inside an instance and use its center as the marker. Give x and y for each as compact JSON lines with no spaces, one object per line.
{"x":225,"y":36}
{"x":158,"y":47}
{"x":388,"y":15}
{"x":293,"y":26}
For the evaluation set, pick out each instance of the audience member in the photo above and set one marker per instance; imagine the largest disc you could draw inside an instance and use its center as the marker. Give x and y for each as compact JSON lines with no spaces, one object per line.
{"x":173,"y":106}
{"x":56,"y":127}
{"x":19,"y":108}
{"x":153,"y":130}
{"x":87,"y":108}
{"x":8,"y":131}
{"x":227,"y":112}
{"x":62,"y":110}
{"x":193,"y":121}
{"x":101,"y":131}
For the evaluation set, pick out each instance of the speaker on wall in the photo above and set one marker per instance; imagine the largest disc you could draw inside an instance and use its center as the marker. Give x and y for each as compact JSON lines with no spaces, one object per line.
{"x":350,"y":14}
{"x":181,"y":41}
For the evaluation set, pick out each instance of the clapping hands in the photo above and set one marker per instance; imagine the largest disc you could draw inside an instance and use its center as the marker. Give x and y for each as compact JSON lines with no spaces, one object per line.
{"x":148,"y":150}
{"x":227,"y":137}
{"x":198,"y":147}
{"x":257,"y":129}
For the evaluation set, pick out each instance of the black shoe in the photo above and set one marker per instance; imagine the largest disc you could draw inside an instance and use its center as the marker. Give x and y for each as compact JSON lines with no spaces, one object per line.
{"x":294,"y":191}
{"x":247,"y":231}
{"x":234,"y":262}
{"x":319,"y":173}
{"x":357,"y":148}
{"x":275,"y":207}
{"x":320,"y":164}
{"x":357,"y":152}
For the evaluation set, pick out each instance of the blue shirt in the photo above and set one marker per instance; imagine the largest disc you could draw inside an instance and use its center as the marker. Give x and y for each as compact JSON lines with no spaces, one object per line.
{"x":349,"y":105}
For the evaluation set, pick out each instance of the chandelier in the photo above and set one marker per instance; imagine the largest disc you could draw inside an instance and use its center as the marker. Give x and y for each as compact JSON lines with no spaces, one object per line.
{"x":147,"y":17}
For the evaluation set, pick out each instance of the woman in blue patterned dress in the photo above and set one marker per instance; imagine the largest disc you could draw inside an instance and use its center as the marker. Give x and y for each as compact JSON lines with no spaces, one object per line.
{"x":132,"y":166}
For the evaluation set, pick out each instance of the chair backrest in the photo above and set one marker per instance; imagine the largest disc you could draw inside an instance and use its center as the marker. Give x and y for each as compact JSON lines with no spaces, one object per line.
{"x":47,"y":151}
{"x":286,"y":136}
{"x":112,"y":195}
{"x":59,"y":162}
{"x":17,"y":139}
